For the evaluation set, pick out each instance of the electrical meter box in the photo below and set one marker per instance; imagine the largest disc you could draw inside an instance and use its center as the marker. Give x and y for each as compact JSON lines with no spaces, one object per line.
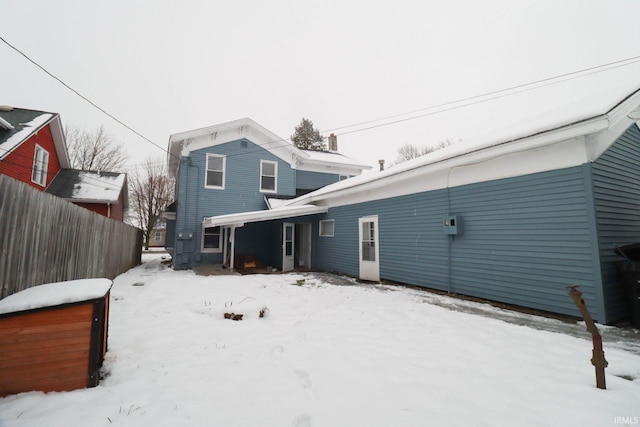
{"x":453,"y":225}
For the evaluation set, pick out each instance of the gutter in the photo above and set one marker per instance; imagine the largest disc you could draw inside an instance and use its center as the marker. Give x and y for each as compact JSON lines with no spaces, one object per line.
{"x":389,"y":176}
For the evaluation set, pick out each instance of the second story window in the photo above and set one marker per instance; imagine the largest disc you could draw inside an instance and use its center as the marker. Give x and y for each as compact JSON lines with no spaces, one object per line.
{"x":268,"y":176}
{"x":214,"y":176}
{"x":40,"y":165}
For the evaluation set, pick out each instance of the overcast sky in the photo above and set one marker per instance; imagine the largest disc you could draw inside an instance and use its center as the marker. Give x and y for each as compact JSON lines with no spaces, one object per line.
{"x":165,"y":67}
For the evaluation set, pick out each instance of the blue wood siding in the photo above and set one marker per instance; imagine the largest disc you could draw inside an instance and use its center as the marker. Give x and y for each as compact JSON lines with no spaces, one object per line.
{"x":242,"y":181}
{"x":523,"y":240}
{"x":616,"y":189}
{"x":241,"y":193}
{"x":306,"y":180}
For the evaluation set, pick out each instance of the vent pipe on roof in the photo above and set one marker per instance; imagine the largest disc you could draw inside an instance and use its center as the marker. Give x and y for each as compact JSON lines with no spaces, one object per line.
{"x":333,"y":143}
{"x":5,"y":124}
{"x":381,"y":164}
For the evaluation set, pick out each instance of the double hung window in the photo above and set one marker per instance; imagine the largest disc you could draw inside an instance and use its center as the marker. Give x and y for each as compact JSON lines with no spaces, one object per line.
{"x":40,"y":166}
{"x":268,"y":176}
{"x":214,"y":176}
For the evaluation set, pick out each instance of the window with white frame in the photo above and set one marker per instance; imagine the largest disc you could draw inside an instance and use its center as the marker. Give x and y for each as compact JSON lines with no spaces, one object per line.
{"x":214,"y":176}
{"x":268,"y":176}
{"x":327,"y":227}
{"x":211,"y":239}
{"x":40,"y":166}
{"x":157,"y":236}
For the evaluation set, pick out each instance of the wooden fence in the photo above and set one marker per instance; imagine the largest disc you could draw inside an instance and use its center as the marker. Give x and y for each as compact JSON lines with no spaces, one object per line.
{"x":46,"y":239}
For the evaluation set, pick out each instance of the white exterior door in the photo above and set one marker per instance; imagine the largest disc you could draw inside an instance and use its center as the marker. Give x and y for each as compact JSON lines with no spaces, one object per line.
{"x":369,"y":248}
{"x":288,"y":245}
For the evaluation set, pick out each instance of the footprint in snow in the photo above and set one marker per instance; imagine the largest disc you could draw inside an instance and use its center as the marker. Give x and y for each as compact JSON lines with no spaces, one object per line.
{"x":303,"y":377}
{"x":276,"y":352}
{"x":303,"y":420}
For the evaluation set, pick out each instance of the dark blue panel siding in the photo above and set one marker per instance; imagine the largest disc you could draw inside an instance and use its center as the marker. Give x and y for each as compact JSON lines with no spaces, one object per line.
{"x":170,"y":236}
{"x":306,"y":180}
{"x":257,"y":239}
{"x":523,"y":240}
{"x":616,"y":189}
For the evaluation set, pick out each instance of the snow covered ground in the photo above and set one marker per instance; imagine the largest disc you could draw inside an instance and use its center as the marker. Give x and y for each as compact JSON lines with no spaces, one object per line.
{"x":329,"y":355}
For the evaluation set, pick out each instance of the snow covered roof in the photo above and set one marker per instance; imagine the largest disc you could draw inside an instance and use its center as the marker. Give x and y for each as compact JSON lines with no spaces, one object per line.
{"x":239,"y":219}
{"x":182,"y":144}
{"x":577,"y":133}
{"x":89,"y":186}
{"x":324,"y":158}
{"x":18,"y":124}
{"x":52,"y":294}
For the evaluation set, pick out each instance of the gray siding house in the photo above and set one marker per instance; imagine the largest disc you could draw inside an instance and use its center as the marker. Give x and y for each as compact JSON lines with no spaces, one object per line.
{"x":237,"y":167}
{"x":512,"y":220}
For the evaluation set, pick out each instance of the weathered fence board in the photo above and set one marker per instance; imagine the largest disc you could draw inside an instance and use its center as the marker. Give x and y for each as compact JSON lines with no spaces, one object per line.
{"x":45,"y":239}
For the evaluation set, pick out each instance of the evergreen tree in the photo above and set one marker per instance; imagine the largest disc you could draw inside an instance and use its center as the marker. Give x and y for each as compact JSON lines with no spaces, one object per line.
{"x":306,"y":137}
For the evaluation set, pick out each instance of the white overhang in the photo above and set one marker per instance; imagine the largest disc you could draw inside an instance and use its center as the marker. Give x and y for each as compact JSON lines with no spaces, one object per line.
{"x":239,"y":219}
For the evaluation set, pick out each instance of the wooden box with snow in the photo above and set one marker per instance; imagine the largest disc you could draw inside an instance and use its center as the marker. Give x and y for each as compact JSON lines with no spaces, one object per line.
{"x":53,"y":337}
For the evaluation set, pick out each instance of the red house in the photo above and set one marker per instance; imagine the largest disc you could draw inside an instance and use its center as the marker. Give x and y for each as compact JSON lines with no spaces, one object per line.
{"x":33,"y":150}
{"x":32,"y":146}
{"x":101,"y":192}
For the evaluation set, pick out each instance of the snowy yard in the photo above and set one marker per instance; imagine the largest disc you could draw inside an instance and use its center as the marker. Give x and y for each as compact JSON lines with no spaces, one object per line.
{"x":328,"y":355}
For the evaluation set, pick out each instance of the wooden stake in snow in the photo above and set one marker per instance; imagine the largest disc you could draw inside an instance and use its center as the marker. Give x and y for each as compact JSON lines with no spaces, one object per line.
{"x":598,"y":359}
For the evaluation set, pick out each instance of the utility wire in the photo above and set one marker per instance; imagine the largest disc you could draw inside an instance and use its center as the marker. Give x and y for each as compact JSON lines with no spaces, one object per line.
{"x":82,"y":96}
{"x":484,"y":97}
{"x":584,"y":72}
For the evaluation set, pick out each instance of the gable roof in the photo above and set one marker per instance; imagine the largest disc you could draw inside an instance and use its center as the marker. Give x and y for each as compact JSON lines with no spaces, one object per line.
{"x":567,"y":140}
{"x":18,"y":124}
{"x":182,"y":144}
{"x":89,"y":186}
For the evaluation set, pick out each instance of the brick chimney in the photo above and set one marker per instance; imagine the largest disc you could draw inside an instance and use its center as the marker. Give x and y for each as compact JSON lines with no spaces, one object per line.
{"x":333,"y":143}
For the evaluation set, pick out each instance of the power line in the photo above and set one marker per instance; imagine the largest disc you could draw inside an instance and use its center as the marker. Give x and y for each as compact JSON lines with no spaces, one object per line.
{"x":489,"y":95}
{"x":464,"y":102}
{"x":82,"y":96}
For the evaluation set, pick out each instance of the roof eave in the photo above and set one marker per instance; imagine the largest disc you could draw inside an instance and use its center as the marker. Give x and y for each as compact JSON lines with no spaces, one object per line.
{"x":389,"y":177}
{"x":60,"y":142}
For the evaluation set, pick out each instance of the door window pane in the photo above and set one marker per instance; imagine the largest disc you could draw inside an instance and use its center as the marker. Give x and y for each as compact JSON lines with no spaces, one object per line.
{"x":368,"y":241}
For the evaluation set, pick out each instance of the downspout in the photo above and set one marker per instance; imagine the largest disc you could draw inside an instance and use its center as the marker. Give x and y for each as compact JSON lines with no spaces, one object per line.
{"x":108,"y":210}
{"x":449,"y":237}
{"x":232,"y":237}
{"x":225,"y":242}
{"x":196,"y":211}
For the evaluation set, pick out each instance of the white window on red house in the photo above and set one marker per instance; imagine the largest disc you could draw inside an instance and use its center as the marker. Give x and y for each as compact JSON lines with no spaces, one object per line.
{"x":268,"y":176}
{"x":40,"y":165}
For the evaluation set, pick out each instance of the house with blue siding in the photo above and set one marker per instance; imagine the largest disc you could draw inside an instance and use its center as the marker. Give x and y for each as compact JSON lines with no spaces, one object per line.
{"x":513,"y":219}
{"x":237,"y":167}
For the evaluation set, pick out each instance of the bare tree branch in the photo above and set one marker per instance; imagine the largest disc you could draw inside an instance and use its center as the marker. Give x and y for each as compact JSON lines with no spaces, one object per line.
{"x":411,"y":151}
{"x":150,"y":192}
{"x":94,"y":150}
